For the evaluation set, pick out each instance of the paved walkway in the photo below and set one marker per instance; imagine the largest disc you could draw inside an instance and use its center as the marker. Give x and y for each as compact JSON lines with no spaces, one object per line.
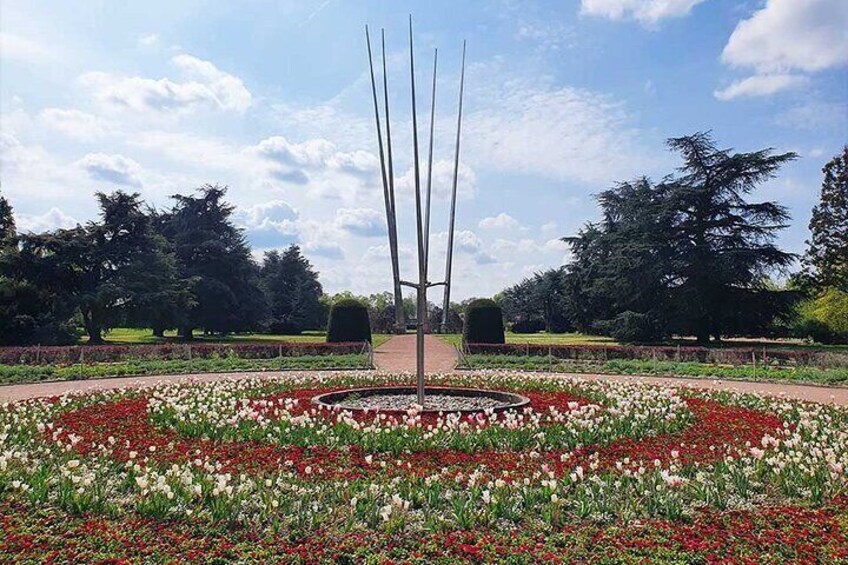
{"x":398,"y":355}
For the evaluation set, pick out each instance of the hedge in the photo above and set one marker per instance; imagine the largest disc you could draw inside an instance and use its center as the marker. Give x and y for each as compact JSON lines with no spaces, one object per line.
{"x":349,"y":321}
{"x":718,"y":356}
{"x":483,"y":322}
{"x":90,"y":354}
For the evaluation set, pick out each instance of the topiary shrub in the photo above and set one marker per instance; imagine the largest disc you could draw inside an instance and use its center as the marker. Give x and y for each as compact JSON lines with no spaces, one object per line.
{"x":483,"y":322}
{"x":348,"y":322}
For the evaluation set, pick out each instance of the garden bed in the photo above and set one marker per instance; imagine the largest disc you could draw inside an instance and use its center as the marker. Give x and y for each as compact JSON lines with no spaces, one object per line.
{"x":829,"y":376}
{"x":250,"y":470}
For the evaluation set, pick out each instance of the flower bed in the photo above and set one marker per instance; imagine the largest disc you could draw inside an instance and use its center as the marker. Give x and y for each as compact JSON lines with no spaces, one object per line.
{"x":250,"y":470}
{"x":70,"y":355}
{"x":736,"y":356}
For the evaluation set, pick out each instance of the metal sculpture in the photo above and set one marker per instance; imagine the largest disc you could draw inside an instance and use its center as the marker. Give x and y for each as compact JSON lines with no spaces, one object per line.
{"x":422,"y":214}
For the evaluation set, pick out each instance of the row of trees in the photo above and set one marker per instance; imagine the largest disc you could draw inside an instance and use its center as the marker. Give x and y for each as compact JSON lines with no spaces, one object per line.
{"x":690,"y":255}
{"x":186,"y":268}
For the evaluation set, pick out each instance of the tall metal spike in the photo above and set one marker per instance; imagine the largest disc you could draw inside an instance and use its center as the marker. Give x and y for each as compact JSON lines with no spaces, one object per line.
{"x":422,"y":269}
{"x":391,"y":216}
{"x":430,"y":168}
{"x":449,"y":260}
{"x":390,"y":213}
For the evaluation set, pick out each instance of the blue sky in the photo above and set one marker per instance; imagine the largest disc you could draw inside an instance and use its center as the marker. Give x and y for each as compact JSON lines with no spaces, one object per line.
{"x":272,"y":98}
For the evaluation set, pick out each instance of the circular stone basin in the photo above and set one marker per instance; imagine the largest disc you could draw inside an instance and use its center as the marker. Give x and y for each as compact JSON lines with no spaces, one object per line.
{"x":400,"y":399}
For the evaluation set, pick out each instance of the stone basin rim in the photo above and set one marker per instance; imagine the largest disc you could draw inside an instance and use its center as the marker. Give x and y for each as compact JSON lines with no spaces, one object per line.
{"x":333,"y":399}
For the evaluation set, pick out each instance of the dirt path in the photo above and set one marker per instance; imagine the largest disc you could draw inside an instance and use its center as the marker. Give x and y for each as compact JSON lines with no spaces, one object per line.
{"x":398,"y":355}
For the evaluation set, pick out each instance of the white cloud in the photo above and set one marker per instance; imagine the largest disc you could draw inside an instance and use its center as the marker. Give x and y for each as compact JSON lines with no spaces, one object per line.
{"x":148,"y":39}
{"x":502,"y":221}
{"x":204,"y":85}
{"x":442,"y":183}
{"x":113,"y":169}
{"x":562,"y":133}
{"x":647,"y":12}
{"x":783,"y":39}
{"x":293,"y":162}
{"x":365,"y":222}
{"x":17,"y":48}
{"x":760,"y":85}
{"x":786,"y":35}
{"x":815,"y":114}
{"x":50,"y":220}
{"x":74,"y":123}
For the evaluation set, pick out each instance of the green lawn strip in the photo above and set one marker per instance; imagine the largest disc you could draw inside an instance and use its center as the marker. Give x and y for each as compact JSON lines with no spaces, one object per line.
{"x":19,"y":374}
{"x":126,"y":336}
{"x":812,"y":375}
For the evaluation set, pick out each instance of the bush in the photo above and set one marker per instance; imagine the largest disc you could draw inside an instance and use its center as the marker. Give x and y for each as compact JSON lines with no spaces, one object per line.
{"x":348,"y":322}
{"x":483,"y":322}
{"x":528,"y":326}
{"x":631,"y":327}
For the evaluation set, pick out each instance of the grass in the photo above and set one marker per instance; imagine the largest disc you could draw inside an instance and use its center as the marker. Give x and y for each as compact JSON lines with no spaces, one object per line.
{"x":19,"y":374}
{"x":800,"y":375}
{"x":125,"y":336}
{"x":576,"y":338}
{"x":542,"y":338}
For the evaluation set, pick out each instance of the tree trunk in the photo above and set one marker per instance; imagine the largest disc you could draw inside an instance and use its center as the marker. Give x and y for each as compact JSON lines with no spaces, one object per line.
{"x":703,"y":337}
{"x":95,"y":334}
{"x":158,"y":332}
{"x":186,"y":333}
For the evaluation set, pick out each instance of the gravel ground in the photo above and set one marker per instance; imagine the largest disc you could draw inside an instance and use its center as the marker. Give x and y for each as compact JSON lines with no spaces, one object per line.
{"x":442,"y":402}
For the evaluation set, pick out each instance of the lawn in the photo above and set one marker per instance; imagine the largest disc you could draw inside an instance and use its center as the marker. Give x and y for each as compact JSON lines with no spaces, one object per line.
{"x":140,"y":335}
{"x":542,"y":338}
{"x":249,"y":471}
{"x":576,"y":338}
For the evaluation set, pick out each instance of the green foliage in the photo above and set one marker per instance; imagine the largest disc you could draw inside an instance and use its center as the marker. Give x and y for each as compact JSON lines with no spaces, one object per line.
{"x":632,"y":327}
{"x":348,"y":322}
{"x":825,"y":318}
{"x":800,"y":375}
{"x":541,"y":297}
{"x":483,"y":322}
{"x":689,"y":252}
{"x":826,"y":260}
{"x":213,"y":257}
{"x":19,"y":374}
{"x":293,"y":291}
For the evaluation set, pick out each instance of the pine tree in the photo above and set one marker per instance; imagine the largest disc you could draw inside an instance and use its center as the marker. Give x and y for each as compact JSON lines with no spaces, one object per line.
{"x":723,"y":245}
{"x":212,"y":253}
{"x":826,"y":259}
{"x":294,"y":292}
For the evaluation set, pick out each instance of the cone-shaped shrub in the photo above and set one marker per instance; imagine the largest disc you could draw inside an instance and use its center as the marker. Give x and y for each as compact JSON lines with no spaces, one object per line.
{"x":348,"y":322}
{"x":483,"y":322}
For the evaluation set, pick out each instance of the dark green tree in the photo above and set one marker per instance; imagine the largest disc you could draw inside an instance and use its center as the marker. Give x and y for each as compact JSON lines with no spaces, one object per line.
{"x":51,"y":271}
{"x":689,"y":255}
{"x":8,"y":230}
{"x":126,"y":266}
{"x":623,"y":263}
{"x":723,"y":245}
{"x":212,"y":253}
{"x":826,"y":259}
{"x":293,"y":291}
{"x":541,"y":299}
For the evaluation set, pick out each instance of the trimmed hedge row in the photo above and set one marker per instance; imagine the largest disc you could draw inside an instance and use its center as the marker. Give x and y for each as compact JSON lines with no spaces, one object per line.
{"x":718,"y":356}
{"x":89,"y":354}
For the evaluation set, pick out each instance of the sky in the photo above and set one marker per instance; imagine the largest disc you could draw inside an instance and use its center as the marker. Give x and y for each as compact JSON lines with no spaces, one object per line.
{"x":272,"y":98}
